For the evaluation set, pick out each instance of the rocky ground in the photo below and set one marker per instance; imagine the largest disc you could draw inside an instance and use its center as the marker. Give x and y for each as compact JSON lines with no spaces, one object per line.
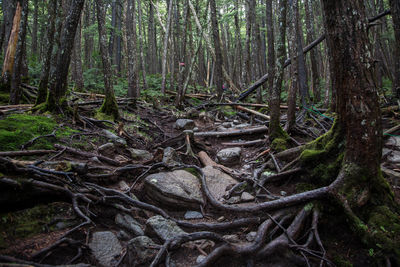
{"x":156,"y":189}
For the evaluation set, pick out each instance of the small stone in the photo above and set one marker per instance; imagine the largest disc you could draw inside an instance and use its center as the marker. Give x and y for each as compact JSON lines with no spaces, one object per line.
{"x":190,"y":215}
{"x":227,"y":124}
{"x":195,"y":129}
{"x":221,"y":219}
{"x":164,"y":228}
{"x":142,"y":249}
{"x":236,"y":122}
{"x":231,"y":238}
{"x":283,"y":193}
{"x":233,"y":200}
{"x":170,"y":157}
{"x":200,"y":258}
{"x":184,"y":124}
{"x":95,"y":160}
{"x":229,"y":156}
{"x":246,"y":167}
{"x":129,"y":224}
{"x":140,"y":154}
{"x":251,"y":236}
{"x":115,"y":138}
{"x":122,"y":235}
{"x":105,"y":248}
{"x":246,"y":197}
{"x":107,"y":150}
{"x":123,"y":186}
{"x":221,"y":129}
{"x":79,"y":167}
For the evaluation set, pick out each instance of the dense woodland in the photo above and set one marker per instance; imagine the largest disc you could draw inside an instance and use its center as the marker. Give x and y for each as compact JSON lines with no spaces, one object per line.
{"x":188,"y":132}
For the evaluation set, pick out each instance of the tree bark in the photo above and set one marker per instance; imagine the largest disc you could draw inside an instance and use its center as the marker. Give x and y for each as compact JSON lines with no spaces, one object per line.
{"x":77,"y":56}
{"x":58,"y":86}
{"x":275,"y":130}
{"x":218,"y":54}
{"x":35,"y":27}
{"x":152,"y":41}
{"x":15,"y":94}
{"x":165,"y":47}
{"x":44,"y":76}
{"x":395,"y":11}
{"x":141,"y":47}
{"x":133,"y":87}
{"x":271,"y":45}
{"x":8,"y":17}
{"x":109,"y":106}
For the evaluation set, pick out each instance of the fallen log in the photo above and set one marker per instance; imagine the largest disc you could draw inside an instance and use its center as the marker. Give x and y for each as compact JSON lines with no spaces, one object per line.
{"x":259,"y":114}
{"x":245,"y":143}
{"x":261,"y":129}
{"x":17,"y":106}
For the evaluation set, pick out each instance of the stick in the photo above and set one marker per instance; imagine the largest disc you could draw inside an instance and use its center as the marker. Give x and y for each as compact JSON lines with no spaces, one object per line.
{"x":25,"y":153}
{"x":261,"y":129}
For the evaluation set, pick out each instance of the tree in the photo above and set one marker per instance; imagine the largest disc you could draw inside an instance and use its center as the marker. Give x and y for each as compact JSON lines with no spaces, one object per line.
{"x":133,"y":87}
{"x":276,"y":133}
{"x":218,"y":54}
{"x":165,"y":47}
{"x":109,"y":106}
{"x":395,"y":11}
{"x":58,"y":86}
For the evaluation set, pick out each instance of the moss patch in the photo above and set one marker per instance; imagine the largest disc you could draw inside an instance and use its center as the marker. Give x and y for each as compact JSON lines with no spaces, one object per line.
{"x":17,"y":129}
{"x":279,"y":144}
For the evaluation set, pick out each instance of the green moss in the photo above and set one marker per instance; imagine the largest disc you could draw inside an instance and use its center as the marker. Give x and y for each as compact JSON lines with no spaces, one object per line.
{"x":110,"y":108}
{"x":339,"y":261}
{"x":279,"y":144}
{"x":102,"y":116}
{"x":16,"y":130}
{"x":227,"y":111}
{"x":4,"y":98}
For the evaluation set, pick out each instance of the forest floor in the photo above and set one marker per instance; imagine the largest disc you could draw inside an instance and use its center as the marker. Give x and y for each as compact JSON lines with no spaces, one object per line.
{"x":104,"y":174}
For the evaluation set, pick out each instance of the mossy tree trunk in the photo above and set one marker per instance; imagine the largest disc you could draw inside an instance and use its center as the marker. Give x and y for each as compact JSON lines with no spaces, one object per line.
{"x":395,"y":8}
{"x":356,"y":137}
{"x":58,"y":86}
{"x":109,"y":106}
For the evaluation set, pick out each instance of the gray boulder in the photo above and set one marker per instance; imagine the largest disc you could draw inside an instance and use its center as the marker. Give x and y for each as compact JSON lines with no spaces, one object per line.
{"x":129,"y":224}
{"x":184,"y":124}
{"x":139,"y":154}
{"x":190,"y":215}
{"x":217,"y":181}
{"x":105,"y":248}
{"x":177,"y":188}
{"x":163,"y":228}
{"x":245,"y":197}
{"x":229,"y":156}
{"x":115,"y":138}
{"x":142,"y":249}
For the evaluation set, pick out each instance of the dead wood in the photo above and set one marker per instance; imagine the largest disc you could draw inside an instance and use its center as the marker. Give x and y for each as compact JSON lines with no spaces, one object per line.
{"x":25,"y":153}
{"x":87,"y":154}
{"x":259,"y":114}
{"x":245,"y":143}
{"x":261,"y":129}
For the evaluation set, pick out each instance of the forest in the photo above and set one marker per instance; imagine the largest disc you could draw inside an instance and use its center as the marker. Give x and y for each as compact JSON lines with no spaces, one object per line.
{"x":199,"y":133}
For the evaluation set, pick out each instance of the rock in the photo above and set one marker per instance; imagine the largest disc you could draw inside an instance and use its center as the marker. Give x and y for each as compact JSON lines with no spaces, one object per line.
{"x":115,"y":138}
{"x":233,"y":200}
{"x":245,"y":197}
{"x":178,"y":188}
{"x":95,"y":160}
{"x":122,"y":235}
{"x":195,"y":129}
{"x":79,"y":167}
{"x":229,"y":156}
{"x":221,"y":129}
{"x":221,"y":219}
{"x":393,"y":141}
{"x":139,"y":154}
{"x":142,"y":249}
{"x":283,"y":193}
{"x":164,"y":228}
{"x":236,"y":121}
{"x":190,"y":215}
{"x":227,"y":124}
{"x":251,"y":236}
{"x":129,"y":224}
{"x":217,"y":181}
{"x":200,"y":258}
{"x":184,"y":124}
{"x":170,"y":157}
{"x":107,"y":150}
{"x":232,"y":238}
{"x":105,"y":248}
{"x":123,"y":186}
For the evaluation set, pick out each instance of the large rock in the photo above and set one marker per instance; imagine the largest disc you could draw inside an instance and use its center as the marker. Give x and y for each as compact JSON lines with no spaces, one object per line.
{"x":141,"y":249}
{"x":163,"y":228}
{"x":139,"y":154}
{"x":170,"y":157}
{"x":130,"y":224}
{"x":105,"y":248}
{"x":182,"y":189}
{"x":178,"y":188}
{"x":229,"y":156}
{"x":184,"y":124}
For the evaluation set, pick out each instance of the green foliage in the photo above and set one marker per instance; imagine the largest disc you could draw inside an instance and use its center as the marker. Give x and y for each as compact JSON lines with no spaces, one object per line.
{"x":16,"y":130}
{"x":92,"y":81}
{"x":34,"y":70}
{"x":4,"y":98}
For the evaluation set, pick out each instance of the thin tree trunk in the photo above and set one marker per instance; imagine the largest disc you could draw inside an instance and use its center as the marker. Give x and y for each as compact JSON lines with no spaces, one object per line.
{"x":35,"y":27}
{"x":152,"y":40}
{"x":79,"y":83}
{"x":246,"y":71}
{"x":15,"y":94}
{"x":133,"y":87}
{"x":109,"y":106}
{"x":165,"y":48}
{"x":218,"y":55}
{"x":141,"y":48}
{"x":237,"y":69}
{"x":8,"y":17}
{"x":395,"y":11}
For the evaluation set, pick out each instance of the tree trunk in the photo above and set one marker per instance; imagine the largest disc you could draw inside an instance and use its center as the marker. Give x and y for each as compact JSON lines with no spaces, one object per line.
{"x":8,"y":17}
{"x":275,"y":130}
{"x":15,"y":94}
{"x":35,"y":27}
{"x":44,"y":76}
{"x":9,"y":57}
{"x":141,"y":48}
{"x":165,"y":47}
{"x":133,"y":87}
{"x":271,"y":45}
{"x":218,"y":54}
{"x":78,"y":79}
{"x":118,"y":39}
{"x":152,"y":41}
{"x":237,"y":69}
{"x":109,"y":106}
{"x":88,"y":36}
{"x":395,"y":11}
{"x":315,"y":85}
{"x":246,"y":71}
{"x":58,"y":86}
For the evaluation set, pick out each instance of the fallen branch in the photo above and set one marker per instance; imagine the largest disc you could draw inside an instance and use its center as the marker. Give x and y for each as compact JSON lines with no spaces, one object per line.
{"x":87,"y":154}
{"x":25,"y":153}
{"x":245,"y":143}
{"x":261,"y":129}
